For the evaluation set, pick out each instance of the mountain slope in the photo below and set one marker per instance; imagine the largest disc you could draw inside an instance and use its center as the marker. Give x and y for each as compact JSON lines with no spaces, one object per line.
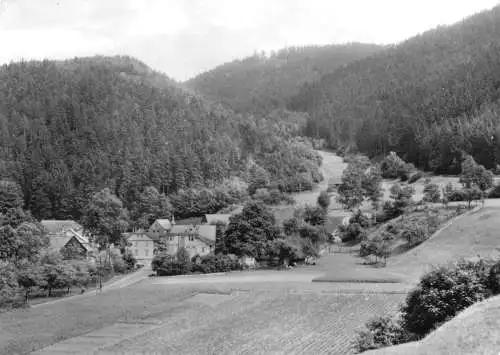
{"x":68,"y":128}
{"x":262,"y":83}
{"x":429,"y":98}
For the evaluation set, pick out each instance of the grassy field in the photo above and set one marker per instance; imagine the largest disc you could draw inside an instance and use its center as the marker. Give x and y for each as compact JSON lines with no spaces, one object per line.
{"x":289,"y":316}
{"x":24,"y":330}
{"x":263,"y":322}
{"x":471,"y":235}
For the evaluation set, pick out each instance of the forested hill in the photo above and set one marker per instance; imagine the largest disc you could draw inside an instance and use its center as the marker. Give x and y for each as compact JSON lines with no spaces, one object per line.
{"x":70,"y":128}
{"x":429,"y":98}
{"x":261,"y":83}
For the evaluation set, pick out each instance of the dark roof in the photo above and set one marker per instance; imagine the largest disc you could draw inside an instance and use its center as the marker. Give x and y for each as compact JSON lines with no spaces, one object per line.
{"x":165,"y":223}
{"x":204,"y":232}
{"x":58,"y":241}
{"x":189,"y":221}
{"x":144,"y":235}
{"x":56,"y":226}
{"x":213,"y":218}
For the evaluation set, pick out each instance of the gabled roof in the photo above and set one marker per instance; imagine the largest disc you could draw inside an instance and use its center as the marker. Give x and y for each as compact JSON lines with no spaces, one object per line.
{"x":164,"y":223}
{"x":139,"y":235}
{"x":79,"y":236}
{"x":58,"y":241}
{"x":213,"y":218}
{"x":189,"y":221}
{"x":56,"y":226}
{"x":205,"y":232}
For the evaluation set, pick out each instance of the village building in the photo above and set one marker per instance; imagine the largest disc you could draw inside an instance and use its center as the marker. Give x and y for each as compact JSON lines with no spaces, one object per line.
{"x":160,"y":227}
{"x":214,"y":218}
{"x":190,"y":221}
{"x":196,"y":239}
{"x":67,"y":237}
{"x":142,"y":246}
{"x":71,"y":244}
{"x":57,"y":226}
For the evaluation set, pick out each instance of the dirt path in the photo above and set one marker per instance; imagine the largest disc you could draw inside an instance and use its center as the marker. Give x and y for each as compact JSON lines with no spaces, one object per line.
{"x":332,"y":167}
{"x":112,"y":285}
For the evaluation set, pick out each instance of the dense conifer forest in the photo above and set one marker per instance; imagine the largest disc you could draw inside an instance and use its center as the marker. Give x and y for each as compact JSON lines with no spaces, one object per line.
{"x":71,"y":128}
{"x":263,"y":82}
{"x":430,"y":99}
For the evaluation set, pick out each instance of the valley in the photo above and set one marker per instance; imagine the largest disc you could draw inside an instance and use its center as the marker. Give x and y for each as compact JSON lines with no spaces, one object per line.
{"x":209,"y":202}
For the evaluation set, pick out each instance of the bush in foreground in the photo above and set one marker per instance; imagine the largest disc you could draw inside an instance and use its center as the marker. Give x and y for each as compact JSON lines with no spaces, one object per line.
{"x":380,"y":332}
{"x":439,"y":296}
{"x":444,"y":292}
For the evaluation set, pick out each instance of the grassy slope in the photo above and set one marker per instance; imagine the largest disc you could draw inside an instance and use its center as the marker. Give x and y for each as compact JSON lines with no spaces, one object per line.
{"x":473,"y":331}
{"x":471,"y":235}
{"x":22,"y":331}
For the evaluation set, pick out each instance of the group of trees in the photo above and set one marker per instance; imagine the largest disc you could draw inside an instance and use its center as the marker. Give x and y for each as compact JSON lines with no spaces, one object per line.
{"x":29,"y":266}
{"x":182,"y":263}
{"x":69,"y":129}
{"x":440,"y":295}
{"x":255,"y":233}
{"x":430,"y":98}
{"x":360,"y":180}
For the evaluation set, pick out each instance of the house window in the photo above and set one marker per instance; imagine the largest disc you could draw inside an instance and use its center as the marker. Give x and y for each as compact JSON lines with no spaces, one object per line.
{"x":171,"y":238}
{"x":191,"y":238}
{"x":146,"y":252}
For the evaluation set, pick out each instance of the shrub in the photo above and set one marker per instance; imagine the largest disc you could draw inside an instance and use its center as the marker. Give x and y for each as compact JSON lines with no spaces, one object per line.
{"x":273,"y":197}
{"x":8,"y":283}
{"x":380,"y":332}
{"x":495,"y":192}
{"x":129,"y":260}
{"x":432,"y":193}
{"x":353,"y":232}
{"x":456,"y":195}
{"x":360,"y":218}
{"x":415,"y":233}
{"x":444,"y":292}
{"x":402,"y":198}
{"x":392,"y":166}
{"x":406,"y":171}
{"x":324,"y":199}
{"x":315,"y":216}
{"x":415,"y":177}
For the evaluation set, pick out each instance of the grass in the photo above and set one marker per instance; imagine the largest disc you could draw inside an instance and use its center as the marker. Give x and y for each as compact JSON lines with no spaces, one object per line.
{"x":25,"y":330}
{"x":345,"y":268}
{"x":473,"y":331}
{"x":471,"y":235}
{"x":263,"y":322}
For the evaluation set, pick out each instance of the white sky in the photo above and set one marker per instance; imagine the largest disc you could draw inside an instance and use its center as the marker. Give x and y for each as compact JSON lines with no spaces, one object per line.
{"x":185,"y":37}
